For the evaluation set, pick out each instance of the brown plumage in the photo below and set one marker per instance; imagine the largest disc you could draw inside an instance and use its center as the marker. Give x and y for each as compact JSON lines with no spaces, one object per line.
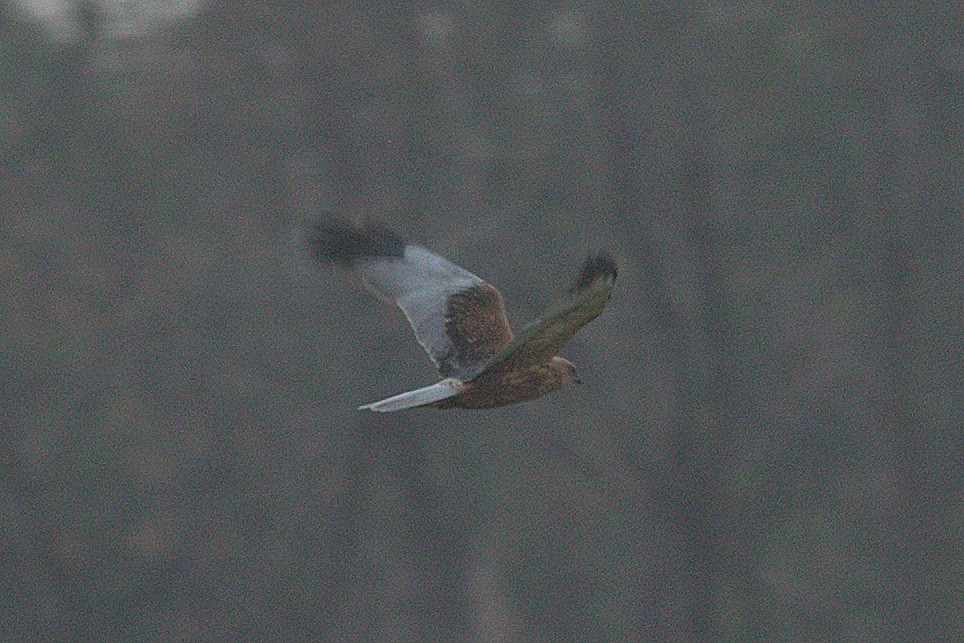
{"x":460,"y":320}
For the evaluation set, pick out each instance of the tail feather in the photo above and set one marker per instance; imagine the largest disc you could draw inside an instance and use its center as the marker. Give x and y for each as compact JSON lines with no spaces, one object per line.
{"x":411,"y":399}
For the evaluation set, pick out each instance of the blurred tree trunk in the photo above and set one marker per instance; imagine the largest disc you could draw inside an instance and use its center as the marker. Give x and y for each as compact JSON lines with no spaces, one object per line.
{"x":708,"y":375}
{"x":399,"y":552}
{"x":440,"y":537}
{"x":909,"y":239}
{"x":39,"y":597}
{"x":668,"y":186}
{"x":86,"y":174}
{"x":394,"y":552}
{"x":360,"y":77}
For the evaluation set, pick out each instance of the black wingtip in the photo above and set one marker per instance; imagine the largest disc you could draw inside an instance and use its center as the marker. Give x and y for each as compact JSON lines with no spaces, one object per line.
{"x":329,"y":240}
{"x":598,"y":265}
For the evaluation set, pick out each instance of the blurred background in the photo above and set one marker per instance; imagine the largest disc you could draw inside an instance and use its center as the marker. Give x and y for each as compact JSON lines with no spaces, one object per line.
{"x":769,"y":445}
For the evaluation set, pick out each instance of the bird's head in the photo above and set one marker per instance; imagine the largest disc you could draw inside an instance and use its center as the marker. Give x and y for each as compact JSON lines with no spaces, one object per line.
{"x":565,"y":371}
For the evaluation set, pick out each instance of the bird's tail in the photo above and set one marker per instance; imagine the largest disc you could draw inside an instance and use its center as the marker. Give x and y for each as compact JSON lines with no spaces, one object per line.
{"x":419,"y":397}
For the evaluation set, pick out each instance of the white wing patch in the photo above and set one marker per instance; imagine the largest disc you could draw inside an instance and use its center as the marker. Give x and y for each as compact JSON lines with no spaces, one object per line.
{"x":420,"y":283}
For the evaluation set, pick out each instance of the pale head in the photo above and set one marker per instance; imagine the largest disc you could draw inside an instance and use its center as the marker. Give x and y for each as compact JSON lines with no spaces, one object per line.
{"x":564,"y":372}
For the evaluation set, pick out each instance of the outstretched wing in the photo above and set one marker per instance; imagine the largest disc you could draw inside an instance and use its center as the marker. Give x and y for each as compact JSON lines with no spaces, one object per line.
{"x":458,"y":318}
{"x":542,"y":339}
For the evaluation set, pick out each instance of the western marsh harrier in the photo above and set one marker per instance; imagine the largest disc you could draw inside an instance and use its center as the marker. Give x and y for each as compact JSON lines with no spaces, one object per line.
{"x":460,"y":319}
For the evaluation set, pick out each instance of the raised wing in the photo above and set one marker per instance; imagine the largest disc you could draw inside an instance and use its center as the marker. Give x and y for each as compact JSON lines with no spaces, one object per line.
{"x":541,"y":340}
{"x":458,"y":318}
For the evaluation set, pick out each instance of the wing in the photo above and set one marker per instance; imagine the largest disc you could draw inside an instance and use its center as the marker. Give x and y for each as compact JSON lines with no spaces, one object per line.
{"x":458,"y":318}
{"x":542,"y":339}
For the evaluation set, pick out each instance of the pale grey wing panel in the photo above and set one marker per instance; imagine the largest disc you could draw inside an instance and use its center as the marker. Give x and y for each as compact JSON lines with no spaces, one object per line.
{"x":417,"y":269}
{"x":421,"y":284}
{"x":412,"y":399}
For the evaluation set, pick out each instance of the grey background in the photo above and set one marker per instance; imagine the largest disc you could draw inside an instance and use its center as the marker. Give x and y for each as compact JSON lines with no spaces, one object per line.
{"x":769,"y":445}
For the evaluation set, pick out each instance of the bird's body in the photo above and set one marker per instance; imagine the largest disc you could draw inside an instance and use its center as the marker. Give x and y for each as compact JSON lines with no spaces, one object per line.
{"x":490,"y":390}
{"x":460,"y":320}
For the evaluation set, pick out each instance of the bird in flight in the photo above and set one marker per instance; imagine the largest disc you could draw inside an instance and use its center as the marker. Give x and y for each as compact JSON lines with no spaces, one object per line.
{"x":460,"y":320}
